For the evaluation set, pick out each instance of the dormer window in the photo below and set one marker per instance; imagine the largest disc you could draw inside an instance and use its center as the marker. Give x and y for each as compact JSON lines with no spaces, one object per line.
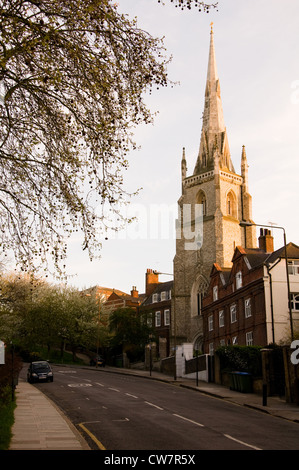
{"x":163,"y":295}
{"x":239,"y":280}
{"x":215,"y":293}
{"x":155,"y":298}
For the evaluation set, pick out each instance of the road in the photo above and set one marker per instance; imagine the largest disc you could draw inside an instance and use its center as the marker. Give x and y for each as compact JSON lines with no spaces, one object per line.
{"x":122,"y":412}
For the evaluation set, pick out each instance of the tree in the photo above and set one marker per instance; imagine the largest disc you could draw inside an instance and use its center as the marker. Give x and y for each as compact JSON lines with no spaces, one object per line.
{"x":129,"y":332}
{"x":72,"y":74}
{"x":202,"y":6}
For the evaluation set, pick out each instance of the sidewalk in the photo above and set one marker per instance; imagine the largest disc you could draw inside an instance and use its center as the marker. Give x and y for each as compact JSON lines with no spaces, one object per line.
{"x":40,"y":425}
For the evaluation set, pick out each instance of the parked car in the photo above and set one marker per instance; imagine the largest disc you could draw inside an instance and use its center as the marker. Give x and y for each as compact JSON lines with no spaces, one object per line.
{"x":97,"y":360}
{"x":38,"y":371}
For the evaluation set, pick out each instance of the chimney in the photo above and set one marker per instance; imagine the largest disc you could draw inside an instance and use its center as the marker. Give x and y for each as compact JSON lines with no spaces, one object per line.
{"x":151,"y":281}
{"x":266,"y":240}
{"x":134,"y":292}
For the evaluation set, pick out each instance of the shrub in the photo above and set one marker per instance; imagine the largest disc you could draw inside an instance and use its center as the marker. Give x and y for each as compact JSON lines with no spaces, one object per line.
{"x":241,"y":358}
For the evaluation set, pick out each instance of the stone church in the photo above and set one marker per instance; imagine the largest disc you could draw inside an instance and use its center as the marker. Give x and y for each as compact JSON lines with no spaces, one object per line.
{"x":224,"y":201}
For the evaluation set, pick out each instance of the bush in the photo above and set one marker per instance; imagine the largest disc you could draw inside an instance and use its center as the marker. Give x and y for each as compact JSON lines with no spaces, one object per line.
{"x":241,"y":358}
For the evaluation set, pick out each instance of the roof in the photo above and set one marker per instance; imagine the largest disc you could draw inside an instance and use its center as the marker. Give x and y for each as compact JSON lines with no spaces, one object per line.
{"x":292,"y":253}
{"x":161,"y":287}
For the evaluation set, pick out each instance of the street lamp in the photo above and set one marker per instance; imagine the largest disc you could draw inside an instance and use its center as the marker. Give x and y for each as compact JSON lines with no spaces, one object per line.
{"x":250,"y":224}
{"x":150,"y":351}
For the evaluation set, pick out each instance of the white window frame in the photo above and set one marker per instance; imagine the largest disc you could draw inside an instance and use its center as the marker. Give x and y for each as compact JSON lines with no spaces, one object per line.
{"x":295,"y":302}
{"x":234,"y":340}
{"x":211,"y":322}
{"x":233,"y":313}
{"x":215,"y":293}
{"x":222,"y":342}
{"x":247,"y":307}
{"x":155,"y":298}
{"x":221,"y":318}
{"x":158,"y":318}
{"x":163,"y":296}
{"x":249,"y":338}
{"x":167,"y":317}
{"x":293,"y":267}
{"x":239,"y":280}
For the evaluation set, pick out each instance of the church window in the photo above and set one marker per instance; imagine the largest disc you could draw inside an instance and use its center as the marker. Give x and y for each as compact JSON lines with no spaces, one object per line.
{"x":201,"y":199}
{"x":199,"y":303}
{"x":231,"y":208}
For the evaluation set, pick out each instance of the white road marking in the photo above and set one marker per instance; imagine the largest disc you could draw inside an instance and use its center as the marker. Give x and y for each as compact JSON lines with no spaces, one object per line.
{"x":130,"y":395}
{"x":98,"y":383}
{"x":79,"y":385}
{"x":152,"y":404}
{"x":190,"y":420}
{"x":241,"y":442}
{"x":114,"y":389}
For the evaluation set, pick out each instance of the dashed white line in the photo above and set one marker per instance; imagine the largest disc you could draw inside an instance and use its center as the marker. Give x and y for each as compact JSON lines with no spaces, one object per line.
{"x":190,"y":420}
{"x":98,"y":383}
{"x":114,"y":389}
{"x":241,"y":442}
{"x":152,"y":404}
{"x":130,"y":395}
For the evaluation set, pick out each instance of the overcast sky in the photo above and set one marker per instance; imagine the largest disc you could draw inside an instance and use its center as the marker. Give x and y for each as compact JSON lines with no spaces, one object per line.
{"x":257,"y":54}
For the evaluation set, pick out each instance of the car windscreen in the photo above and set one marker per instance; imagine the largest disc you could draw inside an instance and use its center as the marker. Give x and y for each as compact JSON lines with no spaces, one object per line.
{"x":41,"y":367}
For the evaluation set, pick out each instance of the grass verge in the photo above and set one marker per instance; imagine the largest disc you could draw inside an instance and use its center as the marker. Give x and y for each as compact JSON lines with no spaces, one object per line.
{"x":6,"y":423}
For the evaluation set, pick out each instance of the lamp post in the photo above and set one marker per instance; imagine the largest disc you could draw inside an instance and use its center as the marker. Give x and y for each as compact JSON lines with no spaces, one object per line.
{"x":150,"y":351}
{"x":249,"y":224}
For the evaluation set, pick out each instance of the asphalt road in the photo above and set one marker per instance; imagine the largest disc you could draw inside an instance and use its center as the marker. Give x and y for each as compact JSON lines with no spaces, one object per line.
{"x":121,"y":412}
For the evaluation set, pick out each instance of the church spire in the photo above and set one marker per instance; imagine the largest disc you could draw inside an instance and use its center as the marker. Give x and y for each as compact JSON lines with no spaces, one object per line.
{"x":213,"y":134}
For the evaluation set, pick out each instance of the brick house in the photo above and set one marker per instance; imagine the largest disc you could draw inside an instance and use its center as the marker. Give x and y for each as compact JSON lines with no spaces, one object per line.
{"x":156,"y":309}
{"x":248,"y":304}
{"x":118,"y":299}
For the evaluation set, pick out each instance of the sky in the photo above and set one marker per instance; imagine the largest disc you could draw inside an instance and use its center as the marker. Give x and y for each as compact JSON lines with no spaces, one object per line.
{"x":257,"y":54}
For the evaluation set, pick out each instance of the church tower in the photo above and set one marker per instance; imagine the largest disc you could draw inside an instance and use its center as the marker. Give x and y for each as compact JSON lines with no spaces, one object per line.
{"x":214,"y":200}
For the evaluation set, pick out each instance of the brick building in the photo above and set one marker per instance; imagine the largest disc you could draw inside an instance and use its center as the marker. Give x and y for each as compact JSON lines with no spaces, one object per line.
{"x":248,"y":303}
{"x":156,"y":309}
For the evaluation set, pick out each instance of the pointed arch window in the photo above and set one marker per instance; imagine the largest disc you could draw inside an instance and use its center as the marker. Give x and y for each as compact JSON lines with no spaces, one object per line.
{"x":231,"y":204}
{"x":201,"y":199}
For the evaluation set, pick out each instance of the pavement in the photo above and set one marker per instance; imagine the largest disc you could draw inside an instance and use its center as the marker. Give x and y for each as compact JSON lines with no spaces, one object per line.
{"x":41,"y":425}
